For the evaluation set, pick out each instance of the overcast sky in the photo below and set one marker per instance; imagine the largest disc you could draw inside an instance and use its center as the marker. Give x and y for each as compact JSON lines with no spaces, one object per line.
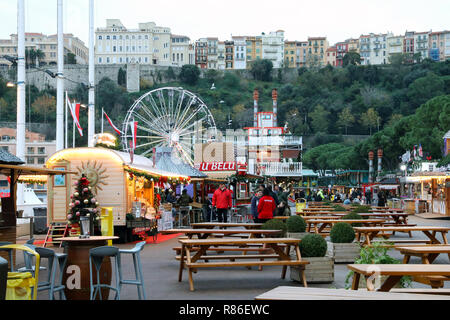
{"x":336,"y":19}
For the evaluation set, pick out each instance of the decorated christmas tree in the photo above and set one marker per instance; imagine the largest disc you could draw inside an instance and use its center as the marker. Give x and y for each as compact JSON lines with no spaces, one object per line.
{"x":84,"y":203}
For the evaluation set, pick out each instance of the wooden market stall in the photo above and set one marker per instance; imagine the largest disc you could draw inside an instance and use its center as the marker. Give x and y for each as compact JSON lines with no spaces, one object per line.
{"x":430,"y":192}
{"x":119,"y":183}
{"x":12,"y":171}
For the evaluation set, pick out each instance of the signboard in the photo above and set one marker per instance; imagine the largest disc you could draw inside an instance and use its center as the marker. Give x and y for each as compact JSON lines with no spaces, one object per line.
{"x":4,"y":189}
{"x":216,"y":166}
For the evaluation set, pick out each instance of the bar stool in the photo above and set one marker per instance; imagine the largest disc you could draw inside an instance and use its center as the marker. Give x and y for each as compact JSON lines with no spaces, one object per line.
{"x":10,"y":253}
{"x":139,"y":282}
{"x":184,"y":214}
{"x":96,"y":257}
{"x":50,"y":285}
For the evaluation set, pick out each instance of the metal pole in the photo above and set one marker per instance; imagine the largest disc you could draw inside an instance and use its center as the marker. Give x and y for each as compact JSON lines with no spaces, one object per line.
{"x":91,"y":114}
{"x":66,"y":145}
{"x":60,"y":82}
{"x":21,"y":78}
{"x":102,"y":119}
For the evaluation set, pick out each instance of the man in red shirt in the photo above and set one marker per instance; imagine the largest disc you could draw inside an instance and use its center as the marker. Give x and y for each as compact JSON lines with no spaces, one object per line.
{"x":222,"y":202}
{"x":266,"y":207}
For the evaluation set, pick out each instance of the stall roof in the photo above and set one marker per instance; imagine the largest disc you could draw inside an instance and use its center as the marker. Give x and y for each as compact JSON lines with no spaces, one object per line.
{"x":8,"y":158}
{"x":23,"y":170}
{"x":165,"y":163}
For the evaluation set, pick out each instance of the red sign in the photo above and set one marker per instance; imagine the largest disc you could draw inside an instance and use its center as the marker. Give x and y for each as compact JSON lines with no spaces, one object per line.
{"x":216,"y":166}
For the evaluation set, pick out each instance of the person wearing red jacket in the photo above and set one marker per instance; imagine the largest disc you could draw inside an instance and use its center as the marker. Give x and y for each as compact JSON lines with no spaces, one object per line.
{"x":222,"y":202}
{"x":266,"y":207}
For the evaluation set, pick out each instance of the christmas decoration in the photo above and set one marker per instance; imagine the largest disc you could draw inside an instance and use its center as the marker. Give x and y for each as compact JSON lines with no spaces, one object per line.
{"x":84,"y":204}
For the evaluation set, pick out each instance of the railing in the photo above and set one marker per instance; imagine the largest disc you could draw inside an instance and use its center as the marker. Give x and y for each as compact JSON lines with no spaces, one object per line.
{"x":278,"y":169}
{"x":270,"y":141}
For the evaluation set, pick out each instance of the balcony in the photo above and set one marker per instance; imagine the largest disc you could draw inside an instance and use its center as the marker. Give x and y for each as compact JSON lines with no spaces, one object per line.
{"x":277,"y":169}
{"x":274,"y":141}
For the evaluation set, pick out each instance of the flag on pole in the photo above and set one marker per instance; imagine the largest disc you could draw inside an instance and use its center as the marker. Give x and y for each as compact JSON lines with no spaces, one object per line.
{"x":420,"y":151}
{"x":75,"y":112}
{"x":112,"y":125}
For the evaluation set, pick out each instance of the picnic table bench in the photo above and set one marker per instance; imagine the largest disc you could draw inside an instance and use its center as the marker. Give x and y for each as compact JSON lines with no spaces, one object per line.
{"x":395,"y":272}
{"x":298,"y":293}
{"x":223,"y":225}
{"x":371,"y":232}
{"x":279,"y":257}
{"x":324,"y":223}
{"x":428,"y":254}
{"x":205,"y":233}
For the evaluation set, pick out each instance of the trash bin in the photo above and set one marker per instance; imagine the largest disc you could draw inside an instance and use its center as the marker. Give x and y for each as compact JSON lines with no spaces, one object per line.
{"x":19,"y":286}
{"x":3,"y":277}
{"x":40,"y":220}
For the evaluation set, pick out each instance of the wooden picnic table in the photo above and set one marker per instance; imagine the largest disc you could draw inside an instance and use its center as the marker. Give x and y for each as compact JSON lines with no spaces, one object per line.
{"x":312,"y":213}
{"x":428,"y":254}
{"x":371,"y":232}
{"x":298,"y":293}
{"x":398,"y":218}
{"x":388,"y":210}
{"x":206,"y":233}
{"x":279,"y":257}
{"x":324,"y":223}
{"x":395,"y":272}
{"x":223,"y":225}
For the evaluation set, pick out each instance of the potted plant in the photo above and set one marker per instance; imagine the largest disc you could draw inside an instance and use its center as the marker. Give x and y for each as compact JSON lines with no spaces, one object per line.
{"x":296,"y":227}
{"x":320,"y":269}
{"x":376,"y":254}
{"x":354,"y":216}
{"x":276,"y":225}
{"x":339,"y":208}
{"x":342,"y":247}
{"x":362,"y":209}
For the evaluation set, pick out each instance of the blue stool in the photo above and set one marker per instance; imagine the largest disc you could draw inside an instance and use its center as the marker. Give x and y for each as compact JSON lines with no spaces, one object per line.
{"x":53,"y":259}
{"x":139,"y":282}
{"x":10,"y":253}
{"x":96,"y":257}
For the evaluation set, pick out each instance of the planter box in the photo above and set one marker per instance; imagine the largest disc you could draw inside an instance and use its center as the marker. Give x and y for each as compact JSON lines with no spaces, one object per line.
{"x":377,"y":283}
{"x":344,"y":252}
{"x":319,"y":270}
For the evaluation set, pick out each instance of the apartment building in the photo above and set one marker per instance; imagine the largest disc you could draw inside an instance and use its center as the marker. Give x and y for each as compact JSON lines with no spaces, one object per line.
{"x":437,"y":45}
{"x":273,"y":47}
{"x":421,"y":42}
{"x":408,"y":45}
{"x":149,"y":44}
{"x":353,"y":45}
{"x":316,"y":51}
{"x":48,"y":45}
{"x":221,"y":55}
{"x":201,"y":53}
{"x":254,"y":49}
{"x":229,"y":55}
{"x":182,"y":51}
{"x":364,"y":49}
{"x":240,"y":50}
{"x":331,"y":56}
{"x":290,"y":54}
{"x":378,"y":53}
{"x":394,"y":45}
{"x":212,"y":52}
{"x":341,"y":51}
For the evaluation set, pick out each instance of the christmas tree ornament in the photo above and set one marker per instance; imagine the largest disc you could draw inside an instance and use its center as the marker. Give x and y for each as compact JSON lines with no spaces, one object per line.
{"x":76,"y":194}
{"x":85,"y":190}
{"x":93,"y":200}
{"x":77,"y":203}
{"x":86,"y":201}
{"x":97,"y":203}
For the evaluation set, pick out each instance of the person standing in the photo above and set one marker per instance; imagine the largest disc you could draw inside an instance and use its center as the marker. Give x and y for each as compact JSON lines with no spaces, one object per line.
{"x":222,"y":201}
{"x":266,"y":207}
{"x":255,"y":202}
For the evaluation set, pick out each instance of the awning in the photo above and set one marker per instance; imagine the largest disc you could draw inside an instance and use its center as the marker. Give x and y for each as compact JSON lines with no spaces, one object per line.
{"x":5,"y":169}
{"x":220,"y":175}
{"x":388,"y":186}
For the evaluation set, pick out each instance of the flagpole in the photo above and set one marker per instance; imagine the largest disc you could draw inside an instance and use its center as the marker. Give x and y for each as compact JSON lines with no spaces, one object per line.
{"x":67,"y":123}
{"x":73,"y":134}
{"x":102,"y":119}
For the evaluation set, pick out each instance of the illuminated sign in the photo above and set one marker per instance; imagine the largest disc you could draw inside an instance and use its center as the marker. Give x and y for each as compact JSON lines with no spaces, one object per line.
{"x":216,"y":166}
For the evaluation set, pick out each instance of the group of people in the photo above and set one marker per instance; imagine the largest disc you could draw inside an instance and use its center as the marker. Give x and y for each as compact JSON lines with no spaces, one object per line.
{"x":268,"y":203}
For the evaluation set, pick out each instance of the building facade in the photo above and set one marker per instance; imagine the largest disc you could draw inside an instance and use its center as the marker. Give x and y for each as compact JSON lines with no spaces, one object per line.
{"x":149,"y":44}
{"x":378,"y":45}
{"x":331,"y":56}
{"x":316,"y":52}
{"x":182,"y":51}
{"x":394,"y":46}
{"x":201,"y":53}
{"x":212,"y":53}
{"x":273,"y":48}
{"x":229,"y":55}
{"x":254,"y":49}
{"x":48,"y":45}
{"x":240,"y":53}
{"x":341,"y":51}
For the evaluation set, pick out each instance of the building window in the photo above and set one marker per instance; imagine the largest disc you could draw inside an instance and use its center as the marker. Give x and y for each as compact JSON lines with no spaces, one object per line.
{"x":30,"y":150}
{"x":100,"y":38}
{"x":41,"y":160}
{"x":30,"y":160}
{"x":41,"y":150}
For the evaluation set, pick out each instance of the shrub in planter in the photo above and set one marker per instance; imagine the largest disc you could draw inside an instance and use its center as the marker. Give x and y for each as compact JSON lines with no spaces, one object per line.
{"x":342,"y":233}
{"x":276,"y":225}
{"x":339,"y":208}
{"x":296,"y":224}
{"x":320,"y":269}
{"x":362,"y":209}
{"x":342,"y":247}
{"x":376,"y":254}
{"x":313,"y":245}
{"x":354,"y":216}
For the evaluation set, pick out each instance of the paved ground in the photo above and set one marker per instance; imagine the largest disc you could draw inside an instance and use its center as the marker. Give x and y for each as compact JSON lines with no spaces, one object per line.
{"x":161,"y":275}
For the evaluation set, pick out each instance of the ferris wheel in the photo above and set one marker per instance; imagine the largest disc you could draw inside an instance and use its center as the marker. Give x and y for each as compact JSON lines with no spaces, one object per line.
{"x":168,"y":117}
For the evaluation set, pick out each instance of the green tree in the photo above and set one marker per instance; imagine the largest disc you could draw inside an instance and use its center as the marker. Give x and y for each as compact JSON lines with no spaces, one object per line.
{"x":170,"y":74}
{"x":70,"y":58}
{"x":425,"y":88}
{"x":370,"y":119}
{"x":262,"y":70}
{"x":351,"y":58}
{"x":319,"y":119}
{"x":190,"y":74}
{"x":44,"y":105}
{"x":346,"y":119}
